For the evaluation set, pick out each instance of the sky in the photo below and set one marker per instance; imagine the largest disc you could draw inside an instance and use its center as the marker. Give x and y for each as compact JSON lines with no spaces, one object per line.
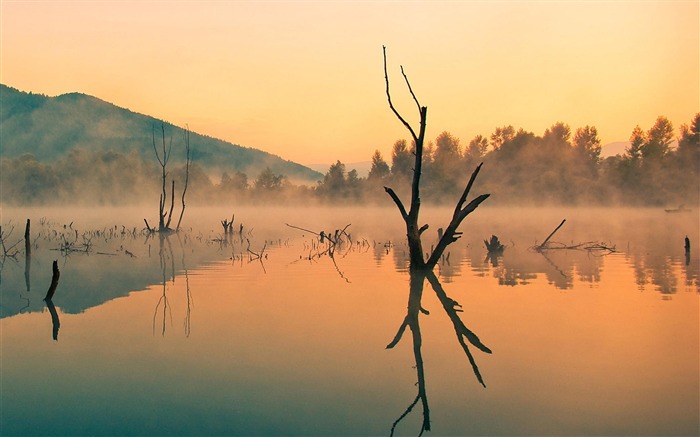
{"x":304,"y":79}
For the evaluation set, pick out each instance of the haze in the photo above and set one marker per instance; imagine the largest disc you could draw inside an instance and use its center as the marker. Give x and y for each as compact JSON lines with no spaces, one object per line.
{"x":304,"y":80}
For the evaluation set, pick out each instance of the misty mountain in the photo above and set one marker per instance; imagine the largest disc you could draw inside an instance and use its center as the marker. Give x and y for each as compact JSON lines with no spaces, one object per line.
{"x":49,"y":127}
{"x":614,"y":148}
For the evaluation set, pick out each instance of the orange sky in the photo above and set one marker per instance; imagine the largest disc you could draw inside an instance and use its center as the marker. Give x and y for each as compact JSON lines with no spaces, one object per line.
{"x":304,"y":79}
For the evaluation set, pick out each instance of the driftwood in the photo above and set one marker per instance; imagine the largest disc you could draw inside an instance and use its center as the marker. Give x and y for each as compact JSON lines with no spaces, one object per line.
{"x":590,"y":246}
{"x":333,"y":241}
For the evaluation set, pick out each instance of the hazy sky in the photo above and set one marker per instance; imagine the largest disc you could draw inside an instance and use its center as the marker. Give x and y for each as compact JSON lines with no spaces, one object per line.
{"x":304,"y":79}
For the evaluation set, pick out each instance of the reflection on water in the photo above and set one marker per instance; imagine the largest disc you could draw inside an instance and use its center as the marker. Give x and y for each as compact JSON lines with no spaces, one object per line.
{"x":191,"y":334}
{"x":451,"y":307}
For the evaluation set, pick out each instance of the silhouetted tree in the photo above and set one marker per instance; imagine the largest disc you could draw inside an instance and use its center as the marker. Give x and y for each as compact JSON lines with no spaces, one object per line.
{"x":502,"y":135}
{"x":476,"y":150}
{"x":411,"y":217}
{"x":587,"y":144}
{"x":267,"y":180}
{"x":380,"y":169}
{"x":658,"y":140}
{"x":401,"y":160}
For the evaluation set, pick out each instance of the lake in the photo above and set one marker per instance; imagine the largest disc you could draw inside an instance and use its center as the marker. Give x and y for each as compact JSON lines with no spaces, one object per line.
{"x":262,"y":332}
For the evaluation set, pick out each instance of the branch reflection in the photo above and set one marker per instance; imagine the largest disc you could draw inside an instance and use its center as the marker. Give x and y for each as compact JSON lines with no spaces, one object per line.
{"x":55,"y":322}
{"x":163,"y":255}
{"x":451,"y":307}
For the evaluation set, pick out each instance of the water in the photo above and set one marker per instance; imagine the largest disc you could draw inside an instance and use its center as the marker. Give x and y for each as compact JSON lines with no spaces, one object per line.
{"x":195,"y":335}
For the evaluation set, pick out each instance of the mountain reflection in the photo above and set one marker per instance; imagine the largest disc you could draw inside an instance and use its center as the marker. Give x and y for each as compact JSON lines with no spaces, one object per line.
{"x":411,"y":321}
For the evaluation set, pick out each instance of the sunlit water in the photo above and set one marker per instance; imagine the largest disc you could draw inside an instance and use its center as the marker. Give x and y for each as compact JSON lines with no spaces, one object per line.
{"x":194,"y":334}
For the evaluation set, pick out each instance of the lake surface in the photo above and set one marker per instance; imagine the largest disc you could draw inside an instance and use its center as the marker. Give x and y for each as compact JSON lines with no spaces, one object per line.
{"x":195,"y":335}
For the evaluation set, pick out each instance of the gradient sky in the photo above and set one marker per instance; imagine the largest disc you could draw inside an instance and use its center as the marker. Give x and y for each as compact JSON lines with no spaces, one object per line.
{"x":304,"y":79}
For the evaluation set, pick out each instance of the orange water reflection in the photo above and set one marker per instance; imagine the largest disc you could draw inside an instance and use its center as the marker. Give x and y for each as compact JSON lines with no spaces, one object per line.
{"x":296,"y":344}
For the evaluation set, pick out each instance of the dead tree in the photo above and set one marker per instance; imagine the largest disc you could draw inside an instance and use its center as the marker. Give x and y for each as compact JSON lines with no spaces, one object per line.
{"x":187,"y":174}
{"x":163,"y":156}
{"x":410,"y":217}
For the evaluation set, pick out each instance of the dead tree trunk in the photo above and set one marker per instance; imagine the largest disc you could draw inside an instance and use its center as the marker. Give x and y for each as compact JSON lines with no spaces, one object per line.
{"x":187,"y":175}
{"x":27,"y":255}
{"x":413,"y":229}
{"x":162,"y":158}
{"x":27,"y":242}
{"x":54,"y":281}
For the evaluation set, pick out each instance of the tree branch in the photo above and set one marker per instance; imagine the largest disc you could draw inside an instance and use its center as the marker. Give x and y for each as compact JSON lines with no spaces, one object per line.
{"x":398,"y":202}
{"x":391,"y":105}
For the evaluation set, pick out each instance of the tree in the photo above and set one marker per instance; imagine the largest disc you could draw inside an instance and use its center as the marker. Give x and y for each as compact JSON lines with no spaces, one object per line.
{"x":163,"y":156}
{"x":501,"y":135}
{"x":334,"y":180}
{"x":401,"y":160}
{"x":558,"y":134}
{"x":637,"y":142}
{"x":658,"y":139}
{"x":689,"y":143}
{"x":267,"y":180}
{"x":690,"y":134}
{"x":411,"y":217}
{"x":587,"y":146}
{"x":446,"y":155}
{"x":476,"y":149}
{"x":380,"y":169}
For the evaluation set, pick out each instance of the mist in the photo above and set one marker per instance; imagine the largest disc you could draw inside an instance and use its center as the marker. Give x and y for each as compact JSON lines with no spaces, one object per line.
{"x":520,"y":169}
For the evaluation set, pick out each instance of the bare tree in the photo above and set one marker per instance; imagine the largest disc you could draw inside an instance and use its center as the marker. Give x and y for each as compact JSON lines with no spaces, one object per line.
{"x":187,"y":174}
{"x":163,"y":156}
{"x":410,"y":217}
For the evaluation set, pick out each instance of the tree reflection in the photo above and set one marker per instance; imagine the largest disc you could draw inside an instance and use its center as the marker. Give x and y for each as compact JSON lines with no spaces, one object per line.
{"x":518,"y":266}
{"x":55,"y":323}
{"x":164,"y":255}
{"x":464,"y":336}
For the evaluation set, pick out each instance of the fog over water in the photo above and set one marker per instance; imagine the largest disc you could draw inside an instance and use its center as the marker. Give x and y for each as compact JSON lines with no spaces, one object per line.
{"x":194,"y":333}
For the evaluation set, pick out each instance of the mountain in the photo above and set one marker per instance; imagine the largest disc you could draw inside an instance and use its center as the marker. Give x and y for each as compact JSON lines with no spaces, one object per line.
{"x":49,"y":127}
{"x":615,"y":148}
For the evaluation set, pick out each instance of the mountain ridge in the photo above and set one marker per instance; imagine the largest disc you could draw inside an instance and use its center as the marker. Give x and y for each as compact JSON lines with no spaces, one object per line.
{"x":49,"y":127}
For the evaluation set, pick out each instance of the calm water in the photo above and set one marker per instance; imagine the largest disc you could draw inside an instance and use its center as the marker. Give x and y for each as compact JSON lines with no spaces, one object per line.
{"x":194,"y":335}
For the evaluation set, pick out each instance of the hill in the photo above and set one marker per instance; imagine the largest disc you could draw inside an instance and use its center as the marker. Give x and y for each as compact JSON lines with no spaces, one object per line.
{"x":49,"y":127}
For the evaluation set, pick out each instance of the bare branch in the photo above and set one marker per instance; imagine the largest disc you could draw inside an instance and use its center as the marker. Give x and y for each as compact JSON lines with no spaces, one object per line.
{"x":544,"y":243}
{"x":391,"y":105}
{"x":408,"y":84}
{"x":398,"y":202}
{"x":399,"y":333}
{"x":187,"y":175}
{"x":468,"y":188}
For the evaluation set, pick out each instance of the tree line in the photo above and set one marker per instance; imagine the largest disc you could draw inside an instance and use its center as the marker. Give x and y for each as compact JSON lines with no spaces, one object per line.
{"x":560,"y":166}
